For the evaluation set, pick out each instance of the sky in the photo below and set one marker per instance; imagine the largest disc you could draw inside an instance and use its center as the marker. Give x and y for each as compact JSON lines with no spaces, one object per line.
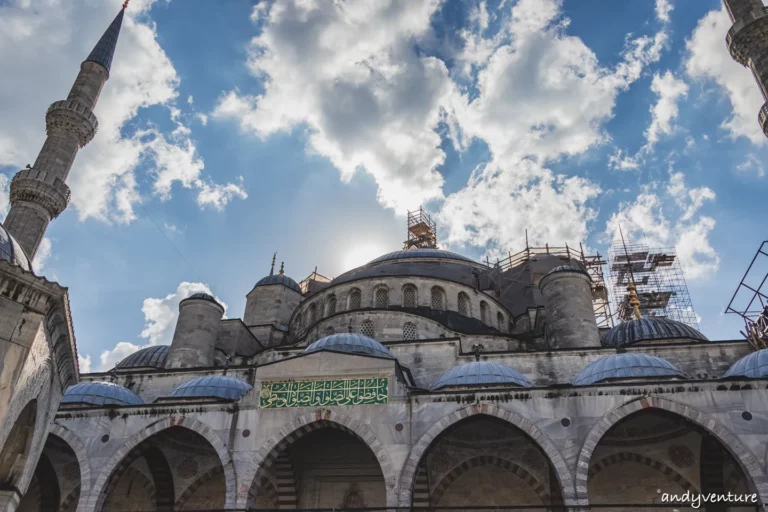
{"x":235,"y":129}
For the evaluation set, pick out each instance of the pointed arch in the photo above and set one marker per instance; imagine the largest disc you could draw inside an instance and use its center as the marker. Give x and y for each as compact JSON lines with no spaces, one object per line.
{"x":616,"y":458}
{"x":746,"y":459}
{"x":78,"y":448}
{"x":96,"y":496}
{"x":300,"y":426}
{"x":420,"y":447}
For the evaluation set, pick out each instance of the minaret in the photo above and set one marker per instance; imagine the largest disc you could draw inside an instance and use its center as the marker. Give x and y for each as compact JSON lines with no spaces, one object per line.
{"x":39,"y":194}
{"x":747,"y":41}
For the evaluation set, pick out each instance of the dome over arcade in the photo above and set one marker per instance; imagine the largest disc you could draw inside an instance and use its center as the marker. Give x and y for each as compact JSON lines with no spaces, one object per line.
{"x":481,"y":373}
{"x":100,"y":393}
{"x":626,"y":366}
{"x":649,"y":329}
{"x":422,"y":253}
{"x":351,"y":343}
{"x":150,"y":357}
{"x":212,"y":386}
{"x":754,"y":365}
{"x":11,"y":251}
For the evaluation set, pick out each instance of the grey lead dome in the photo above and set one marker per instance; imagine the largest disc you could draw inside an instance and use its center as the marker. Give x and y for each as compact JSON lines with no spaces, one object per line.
{"x":279,"y":279}
{"x":648,"y":329}
{"x":422,"y":253}
{"x":212,"y":386}
{"x":150,"y":357}
{"x":754,"y":365}
{"x":100,"y":393}
{"x":626,"y":366}
{"x":11,"y":251}
{"x":479,"y":373}
{"x":351,"y":343}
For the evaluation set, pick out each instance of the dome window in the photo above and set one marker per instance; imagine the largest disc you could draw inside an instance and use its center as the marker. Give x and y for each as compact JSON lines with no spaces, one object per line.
{"x":409,"y":296}
{"x":463,"y":304}
{"x":366,"y":328}
{"x":409,"y":331}
{"x":438,"y":298}
{"x":312,"y":314}
{"x":500,"y":321}
{"x":484,"y":312}
{"x":382,"y":298}
{"x":329,"y":331}
{"x":330,"y":306}
{"x":354,"y":299}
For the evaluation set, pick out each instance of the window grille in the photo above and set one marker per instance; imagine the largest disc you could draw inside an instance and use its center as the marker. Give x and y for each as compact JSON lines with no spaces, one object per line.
{"x":312,"y":314}
{"x":438,"y":299}
{"x":366,"y":328}
{"x":354,"y":299}
{"x":409,"y":297}
{"x":329,"y":331}
{"x":330,"y":307}
{"x":463,"y":304}
{"x":409,"y":331}
{"x":484,"y":312}
{"x":382,"y":298}
{"x":298,"y":321}
{"x":500,"y":321}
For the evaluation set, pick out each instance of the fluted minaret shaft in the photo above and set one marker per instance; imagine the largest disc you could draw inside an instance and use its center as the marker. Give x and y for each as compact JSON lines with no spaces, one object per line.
{"x":39,"y":194}
{"x":747,"y":41}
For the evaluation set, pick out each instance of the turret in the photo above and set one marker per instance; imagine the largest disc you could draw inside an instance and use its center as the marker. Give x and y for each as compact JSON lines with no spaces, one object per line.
{"x":39,"y":193}
{"x":270,"y":305}
{"x":570,"y":317}
{"x":194,"y":339}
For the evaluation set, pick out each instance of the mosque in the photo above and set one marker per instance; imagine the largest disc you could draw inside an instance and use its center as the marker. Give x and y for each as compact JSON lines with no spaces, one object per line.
{"x":422,"y":379}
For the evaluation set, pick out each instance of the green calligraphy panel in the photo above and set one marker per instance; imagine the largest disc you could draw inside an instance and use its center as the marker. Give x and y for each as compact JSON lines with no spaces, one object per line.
{"x":314,"y":393}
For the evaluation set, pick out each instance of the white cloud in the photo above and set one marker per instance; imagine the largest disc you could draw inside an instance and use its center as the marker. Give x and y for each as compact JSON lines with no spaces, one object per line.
{"x":663,"y":9}
{"x":751,"y":165}
{"x":203,"y":118}
{"x":708,"y":58}
{"x":669,"y":90}
{"x":42,"y":255}
{"x":85,"y":363}
{"x":648,"y":220}
{"x":621,"y":161}
{"x":160,"y":317}
{"x":5,"y":194}
{"x":41,"y":45}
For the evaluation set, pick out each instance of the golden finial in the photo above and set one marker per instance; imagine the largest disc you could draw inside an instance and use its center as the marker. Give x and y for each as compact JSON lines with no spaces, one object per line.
{"x":281,"y":268}
{"x":125,"y":4}
{"x":631,"y":288}
{"x":272,"y":268}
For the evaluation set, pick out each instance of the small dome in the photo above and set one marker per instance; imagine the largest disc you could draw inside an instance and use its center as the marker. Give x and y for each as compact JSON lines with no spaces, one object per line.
{"x":202,"y":296}
{"x":479,"y":373}
{"x":11,"y":251}
{"x":100,"y":393}
{"x":626,"y":366}
{"x":648,"y":329}
{"x":568,"y":268}
{"x":352,"y":343}
{"x":279,"y":279}
{"x":422,"y":254}
{"x":150,"y":357}
{"x":212,"y":386}
{"x":754,"y":365}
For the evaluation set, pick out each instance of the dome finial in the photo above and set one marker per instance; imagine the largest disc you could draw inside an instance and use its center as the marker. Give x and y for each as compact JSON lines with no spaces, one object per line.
{"x":631,"y":288}
{"x":282,"y":265}
{"x":125,"y":4}
{"x":272,"y":268}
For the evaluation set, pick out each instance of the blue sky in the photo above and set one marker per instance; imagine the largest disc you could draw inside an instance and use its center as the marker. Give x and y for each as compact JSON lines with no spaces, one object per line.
{"x":308,"y":128}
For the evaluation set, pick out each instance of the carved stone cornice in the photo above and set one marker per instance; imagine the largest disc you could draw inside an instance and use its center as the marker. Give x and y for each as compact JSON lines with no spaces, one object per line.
{"x":42,"y":188}
{"x":72,"y":117}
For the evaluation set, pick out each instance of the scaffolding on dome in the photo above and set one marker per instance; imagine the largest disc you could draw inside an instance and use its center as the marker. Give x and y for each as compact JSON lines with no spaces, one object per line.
{"x":750,"y":300}
{"x":422,"y":231}
{"x":658,"y":275}
{"x":593,"y":264}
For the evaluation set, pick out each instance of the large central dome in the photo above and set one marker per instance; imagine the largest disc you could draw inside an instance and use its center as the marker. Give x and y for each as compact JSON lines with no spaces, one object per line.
{"x":422,"y":254}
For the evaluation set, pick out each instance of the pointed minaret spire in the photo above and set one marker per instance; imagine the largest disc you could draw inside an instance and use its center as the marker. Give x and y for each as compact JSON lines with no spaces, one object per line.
{"x":272,"y":268}
{"x":40,"y":193}
{"x":282,"y":263}
{"x":104,"y":50}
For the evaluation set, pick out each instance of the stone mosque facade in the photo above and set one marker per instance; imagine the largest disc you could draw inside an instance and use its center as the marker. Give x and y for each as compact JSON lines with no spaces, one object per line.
{"x":417,"y":380}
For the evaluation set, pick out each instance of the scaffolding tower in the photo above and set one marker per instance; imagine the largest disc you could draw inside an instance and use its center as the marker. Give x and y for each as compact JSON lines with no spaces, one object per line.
{"x":750,"y":301}
{"x":658,"y":276}
{"x":422,"y":231}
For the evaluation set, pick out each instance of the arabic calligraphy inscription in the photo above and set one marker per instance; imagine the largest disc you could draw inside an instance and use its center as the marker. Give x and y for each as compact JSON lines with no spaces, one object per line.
{"x":313,"y":393}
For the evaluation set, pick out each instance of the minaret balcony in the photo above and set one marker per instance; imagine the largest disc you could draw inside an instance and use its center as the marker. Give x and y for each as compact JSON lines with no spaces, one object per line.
{"x":42,"y":188}
{"x":763,"y":118}
{"x":74,"y":118}
{"x":746,"y":34}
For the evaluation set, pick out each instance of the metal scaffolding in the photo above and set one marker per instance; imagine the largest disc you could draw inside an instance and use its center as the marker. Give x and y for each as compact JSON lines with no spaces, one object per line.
{"x":422,"y":231}
{"x":750,"y":301}
{"x":661,"y":286}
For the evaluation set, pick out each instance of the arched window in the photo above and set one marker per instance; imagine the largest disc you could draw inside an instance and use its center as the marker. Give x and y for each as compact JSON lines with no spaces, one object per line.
{"x":438,"y":298}
{"x":382,"y":298}
{"x":500,"y":321}
{"x":409,"y":331}
{"x":312,"y":314}
{"x":409,"y":296}
{"x":463,"y":304}
{"x":366,"y":328}
{"x":484,"y":313}
{"x":354,"y":298}
{"x":329,"y":330}
{"x":297,"y":322}
{"x":330,"y":306}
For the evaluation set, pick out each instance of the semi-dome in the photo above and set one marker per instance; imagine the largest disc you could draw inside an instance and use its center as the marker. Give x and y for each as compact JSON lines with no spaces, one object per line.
{"x":100,"y":393}
{"x":426,"y":253}
{"x":150,"y":357}
{"x":754,"y":365}
{"x":212,"y":386}
{"x":351,"y":343}
{"x":481,"y":373}
{"x":11,"y":251}
{"x":649,"y":329}
{"x":626,"y":366}
{"x":279,"y":279}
